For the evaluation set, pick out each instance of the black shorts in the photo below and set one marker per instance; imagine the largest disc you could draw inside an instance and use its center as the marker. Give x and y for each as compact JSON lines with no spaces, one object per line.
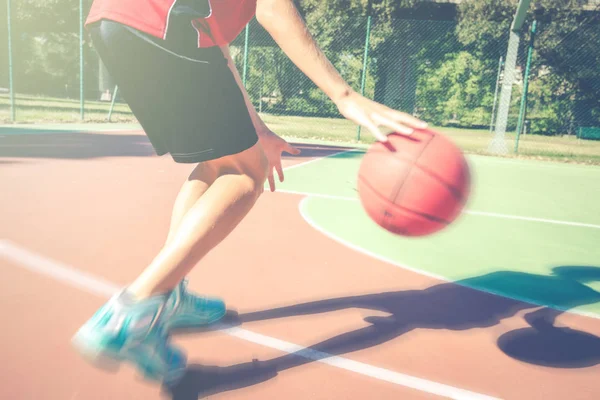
{"x":185,"y":98}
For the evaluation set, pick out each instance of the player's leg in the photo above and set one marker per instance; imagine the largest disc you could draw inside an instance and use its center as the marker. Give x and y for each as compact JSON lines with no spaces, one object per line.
{"x":197,"y":183}
{"x":239,"y":182}
{"x":150,"y":299}
{"x":193,"y":110}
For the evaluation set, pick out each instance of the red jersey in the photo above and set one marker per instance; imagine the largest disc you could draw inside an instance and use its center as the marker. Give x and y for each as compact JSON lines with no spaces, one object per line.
{"x":225,"y":18}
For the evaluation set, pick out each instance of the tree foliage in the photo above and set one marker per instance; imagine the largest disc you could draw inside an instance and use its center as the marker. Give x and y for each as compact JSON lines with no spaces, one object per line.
{"x":443,"y":70}
{"x":565,"y":64}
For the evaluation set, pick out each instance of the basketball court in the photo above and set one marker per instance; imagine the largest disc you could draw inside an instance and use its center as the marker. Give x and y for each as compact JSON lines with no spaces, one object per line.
{"x":324,"y":304}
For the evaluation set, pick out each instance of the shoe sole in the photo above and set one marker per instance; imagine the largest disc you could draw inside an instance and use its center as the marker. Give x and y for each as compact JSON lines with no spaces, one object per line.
{"x":99,"y":358}
{"x":110,"y":361}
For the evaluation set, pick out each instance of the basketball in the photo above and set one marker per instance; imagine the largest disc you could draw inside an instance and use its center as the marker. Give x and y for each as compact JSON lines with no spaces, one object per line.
{"x":414,"y":185}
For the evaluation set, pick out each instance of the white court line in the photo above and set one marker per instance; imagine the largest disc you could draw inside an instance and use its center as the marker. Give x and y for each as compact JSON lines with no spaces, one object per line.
{"x":546,"y":163}
{"x":518,"y":217}
{"x":319,"y":195}
{"x":98,"y":286}
{"x":470,"y":212}
{"x":306,"y":217}
{"x":305,"y":163}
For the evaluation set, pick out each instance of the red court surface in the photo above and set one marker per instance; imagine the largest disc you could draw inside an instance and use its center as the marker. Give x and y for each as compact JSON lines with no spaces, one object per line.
{"x":101,"y":206}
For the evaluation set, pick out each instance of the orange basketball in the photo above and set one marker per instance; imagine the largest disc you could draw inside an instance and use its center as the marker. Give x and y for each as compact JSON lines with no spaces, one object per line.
{"x":414,"y":185}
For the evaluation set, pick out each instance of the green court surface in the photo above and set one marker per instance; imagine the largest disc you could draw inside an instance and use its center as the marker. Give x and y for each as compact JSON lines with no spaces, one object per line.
{"x":531,"y":230}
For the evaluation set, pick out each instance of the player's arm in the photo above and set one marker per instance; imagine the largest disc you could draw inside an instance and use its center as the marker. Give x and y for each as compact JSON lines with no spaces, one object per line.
{"x":272,"y":144}
{"x":258,"y":123}
{"x":283,"y":22}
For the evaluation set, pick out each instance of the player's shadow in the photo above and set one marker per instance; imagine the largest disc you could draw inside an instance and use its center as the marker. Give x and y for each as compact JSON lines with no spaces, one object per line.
{"x":73,"y":145}
{"x":545,"y":344}
{"x":26,"y":142}
{"x":446,"y":306}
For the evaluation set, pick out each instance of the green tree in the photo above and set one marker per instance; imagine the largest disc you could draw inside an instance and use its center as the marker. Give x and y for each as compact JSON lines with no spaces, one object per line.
{"x":46,"y":47}
{"x":3,"y":48}
{"x":455,"y":91}
{"x":47,"y":16}
{"x":339,"y":27}
{"x":567,"y":48}
{"x":569,"y":43}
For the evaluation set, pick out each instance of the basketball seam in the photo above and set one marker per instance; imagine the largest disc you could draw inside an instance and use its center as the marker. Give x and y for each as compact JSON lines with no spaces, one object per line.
{"x":396,"y":206}
{"x":395,"y":196}
{"x":453,"y":190}
{"x":378,"y":219}
{"x":412,"y":164}
{"x":397,"y":157}
{"x":394,"y":156}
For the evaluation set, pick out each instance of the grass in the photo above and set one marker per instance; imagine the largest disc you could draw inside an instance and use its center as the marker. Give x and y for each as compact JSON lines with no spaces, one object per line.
{"x":35,"y":109}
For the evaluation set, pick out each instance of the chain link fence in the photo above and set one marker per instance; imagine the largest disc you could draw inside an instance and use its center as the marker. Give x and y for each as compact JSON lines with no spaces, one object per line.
{"x":432,"y":62}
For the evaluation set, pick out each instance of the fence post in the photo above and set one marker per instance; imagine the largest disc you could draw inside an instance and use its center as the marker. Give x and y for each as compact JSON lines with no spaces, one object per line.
{"x":11,"y":86}
{"x":246,"y":54}
{"x":363,"y":79}
{"x":262,"y":84}
{"x":81,"y":100}
{"x":496,"y":95}
{"x":498,"y":143}
{"x":112,"y":103}
{"x":523,"y":109}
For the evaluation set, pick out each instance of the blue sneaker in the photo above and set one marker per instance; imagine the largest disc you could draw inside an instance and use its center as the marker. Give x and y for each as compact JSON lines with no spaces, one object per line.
{"x":127,"y":331}
{"x":185,"y":310}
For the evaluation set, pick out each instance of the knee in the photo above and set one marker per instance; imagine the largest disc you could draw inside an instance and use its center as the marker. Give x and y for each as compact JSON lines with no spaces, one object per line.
{"x":251,"y":168}
{"x":249,"y":187}
{"x":253,"y":179}
{"x":264,"y":168}
{"x":260,"y":171}
{"x":259,"y":188}
{"x":259,"y":180}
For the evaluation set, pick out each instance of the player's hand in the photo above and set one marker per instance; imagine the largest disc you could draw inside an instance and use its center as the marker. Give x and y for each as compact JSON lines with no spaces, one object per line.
{"x":373,"y":115}
{"x":273,"y":147}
